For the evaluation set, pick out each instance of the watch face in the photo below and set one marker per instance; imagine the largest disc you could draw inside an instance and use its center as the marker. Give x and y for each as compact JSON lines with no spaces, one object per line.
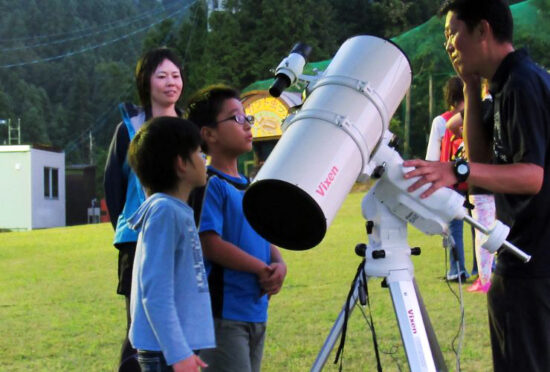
{"x":462,"y":169}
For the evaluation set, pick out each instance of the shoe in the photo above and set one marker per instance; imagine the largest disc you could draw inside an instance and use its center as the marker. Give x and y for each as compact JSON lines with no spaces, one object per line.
{"x":475,"y":287}
{"x":485,"y":287}
{"x":478,"y":287}
{"x":452,"y":277}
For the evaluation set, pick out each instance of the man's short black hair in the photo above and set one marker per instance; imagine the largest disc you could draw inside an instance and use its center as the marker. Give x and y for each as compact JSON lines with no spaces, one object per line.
{"x":453,"y":91}
{"x":206,"y":104}
{"x":145,"y":68}
{"x":496,"y":12}
{"x":154,"y":149}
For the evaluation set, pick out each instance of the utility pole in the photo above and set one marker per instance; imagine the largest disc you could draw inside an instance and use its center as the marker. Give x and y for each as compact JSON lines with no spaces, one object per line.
{"x":430,"y":104}
{"x":430,"y":98}
{"x":91,"y":149}
{"x":407,"y":123}
{"x":13,"y":129}
{"x":5,"y":122}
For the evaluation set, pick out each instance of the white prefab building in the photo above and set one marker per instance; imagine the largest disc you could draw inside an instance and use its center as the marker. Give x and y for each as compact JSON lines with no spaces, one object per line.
{"x":32,"y":187}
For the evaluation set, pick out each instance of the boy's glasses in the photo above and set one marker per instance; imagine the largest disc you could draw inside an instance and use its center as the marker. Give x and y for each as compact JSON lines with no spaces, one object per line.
{"x":240,"y":119}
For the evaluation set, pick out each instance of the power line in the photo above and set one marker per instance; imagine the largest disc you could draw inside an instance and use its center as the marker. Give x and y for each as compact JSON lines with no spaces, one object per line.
{"x":94,"y":128}
{"x":193,"y":26}
{"x":128,"y":20}
{"x":102,"y":30}
{"x":102,"y":121}
{"x":105,"y":43}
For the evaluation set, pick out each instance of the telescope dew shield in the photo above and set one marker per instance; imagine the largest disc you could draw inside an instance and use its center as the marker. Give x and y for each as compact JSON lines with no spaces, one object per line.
{"x":328,"y":144}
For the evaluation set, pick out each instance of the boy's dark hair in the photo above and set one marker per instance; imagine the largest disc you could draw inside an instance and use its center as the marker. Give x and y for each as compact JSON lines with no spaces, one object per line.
{"x":496,"y":12}
{"x":453,"y":91}
{"x":205,"y":105}
{"x":145,"y":68}
{"x":153,"y":151}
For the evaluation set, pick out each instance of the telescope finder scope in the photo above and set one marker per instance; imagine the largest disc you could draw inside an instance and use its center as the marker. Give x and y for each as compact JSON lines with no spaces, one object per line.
{"x":290,"y":69}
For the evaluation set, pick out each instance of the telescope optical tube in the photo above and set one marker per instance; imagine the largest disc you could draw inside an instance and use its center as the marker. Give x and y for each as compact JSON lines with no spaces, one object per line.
{"x":297,"y":192}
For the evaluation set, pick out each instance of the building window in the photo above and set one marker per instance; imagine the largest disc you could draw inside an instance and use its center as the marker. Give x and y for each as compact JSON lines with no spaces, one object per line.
{"x":51,"y":183}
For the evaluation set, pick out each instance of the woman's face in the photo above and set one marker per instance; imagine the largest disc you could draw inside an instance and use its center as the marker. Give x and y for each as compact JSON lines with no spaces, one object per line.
{"x":166,"y":84}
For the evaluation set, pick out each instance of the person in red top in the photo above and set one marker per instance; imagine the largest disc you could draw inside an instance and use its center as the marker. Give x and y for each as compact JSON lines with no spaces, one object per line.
{"x":443,"y":145}
{"x":483,"y":202}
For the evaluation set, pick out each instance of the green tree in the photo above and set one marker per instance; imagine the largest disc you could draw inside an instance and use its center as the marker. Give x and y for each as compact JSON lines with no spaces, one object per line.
{"x":241,"y":44}
{"x":191,"y":44}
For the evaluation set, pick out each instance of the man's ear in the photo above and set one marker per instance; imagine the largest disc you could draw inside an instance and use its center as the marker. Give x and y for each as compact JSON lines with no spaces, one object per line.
{"x":483,"y":30}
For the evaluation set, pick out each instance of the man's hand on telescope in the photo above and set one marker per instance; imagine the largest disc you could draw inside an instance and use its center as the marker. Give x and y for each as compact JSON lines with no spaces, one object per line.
{"x":439,"y":174}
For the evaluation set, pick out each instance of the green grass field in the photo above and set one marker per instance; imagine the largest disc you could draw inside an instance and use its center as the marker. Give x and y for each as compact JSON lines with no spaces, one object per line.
{"x":59,"y":310}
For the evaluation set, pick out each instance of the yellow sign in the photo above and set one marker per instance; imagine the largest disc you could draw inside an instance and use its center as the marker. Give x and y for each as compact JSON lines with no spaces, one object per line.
{"x":269,"y":113}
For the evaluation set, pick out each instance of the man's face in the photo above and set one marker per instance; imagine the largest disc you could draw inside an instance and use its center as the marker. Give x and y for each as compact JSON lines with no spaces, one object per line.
{"x":462,"y":46}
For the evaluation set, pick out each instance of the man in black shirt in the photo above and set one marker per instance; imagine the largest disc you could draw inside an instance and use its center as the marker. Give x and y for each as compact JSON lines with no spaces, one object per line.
{"x":509,"y":156}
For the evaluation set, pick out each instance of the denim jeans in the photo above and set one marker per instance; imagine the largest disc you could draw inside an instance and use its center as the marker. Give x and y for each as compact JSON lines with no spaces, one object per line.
{"x":152,"y":361}
{"x":456,"y":227}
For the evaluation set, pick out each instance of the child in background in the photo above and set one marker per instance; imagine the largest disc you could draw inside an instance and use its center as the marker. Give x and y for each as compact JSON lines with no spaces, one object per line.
{"x":243,"y":268}
{"x":170,"y":303}
{"x":483,"y":201}
{"x":443,"y":146}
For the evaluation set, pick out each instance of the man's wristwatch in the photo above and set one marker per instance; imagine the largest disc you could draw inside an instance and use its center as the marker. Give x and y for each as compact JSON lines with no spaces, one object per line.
{"x":461,"y":169}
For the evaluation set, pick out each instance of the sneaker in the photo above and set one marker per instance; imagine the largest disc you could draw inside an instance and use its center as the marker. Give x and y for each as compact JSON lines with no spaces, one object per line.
{"x":478,"y":287}
{"x":475,"y":287}
{"x":452,"y":277}
{"x":484,"y":288}
{"x":463,"y":277}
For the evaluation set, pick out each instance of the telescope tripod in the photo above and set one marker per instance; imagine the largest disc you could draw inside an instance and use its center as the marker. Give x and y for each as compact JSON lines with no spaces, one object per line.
{"x":388,"y":255}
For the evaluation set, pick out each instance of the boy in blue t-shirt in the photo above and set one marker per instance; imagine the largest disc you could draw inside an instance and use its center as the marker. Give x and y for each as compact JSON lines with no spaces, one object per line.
{"x":170,"y":303}
{"x":243,"y":268}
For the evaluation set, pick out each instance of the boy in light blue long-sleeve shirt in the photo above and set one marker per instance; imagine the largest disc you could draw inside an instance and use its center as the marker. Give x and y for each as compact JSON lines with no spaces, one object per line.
{"x":170,"y":301}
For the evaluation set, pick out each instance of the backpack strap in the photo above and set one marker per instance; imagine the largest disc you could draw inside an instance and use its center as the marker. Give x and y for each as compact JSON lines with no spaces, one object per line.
{"x":447,"y":115}
{"x":238,"y":186}
{"x":196,"y":198}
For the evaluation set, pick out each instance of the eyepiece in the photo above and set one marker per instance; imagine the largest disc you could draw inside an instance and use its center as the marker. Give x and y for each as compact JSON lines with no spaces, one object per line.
{"x":290,"y":69}
{"x":279,"y":85}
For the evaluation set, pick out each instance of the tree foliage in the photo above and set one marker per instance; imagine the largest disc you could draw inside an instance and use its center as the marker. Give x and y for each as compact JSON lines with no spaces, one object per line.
{"x":66,"y":64}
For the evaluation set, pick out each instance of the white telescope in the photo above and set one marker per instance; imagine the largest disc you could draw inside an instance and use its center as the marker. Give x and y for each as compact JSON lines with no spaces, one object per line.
{"x":340,"y":135}
{"x":328,"y":143}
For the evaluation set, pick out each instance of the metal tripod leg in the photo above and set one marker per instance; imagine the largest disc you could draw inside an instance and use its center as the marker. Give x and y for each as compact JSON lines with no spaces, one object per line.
{"x":388,"y":256}
{"x":421,"y":346}
{"x":439,"y":360}
{"x":410,"y":321}
{"x":335,"y":331}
